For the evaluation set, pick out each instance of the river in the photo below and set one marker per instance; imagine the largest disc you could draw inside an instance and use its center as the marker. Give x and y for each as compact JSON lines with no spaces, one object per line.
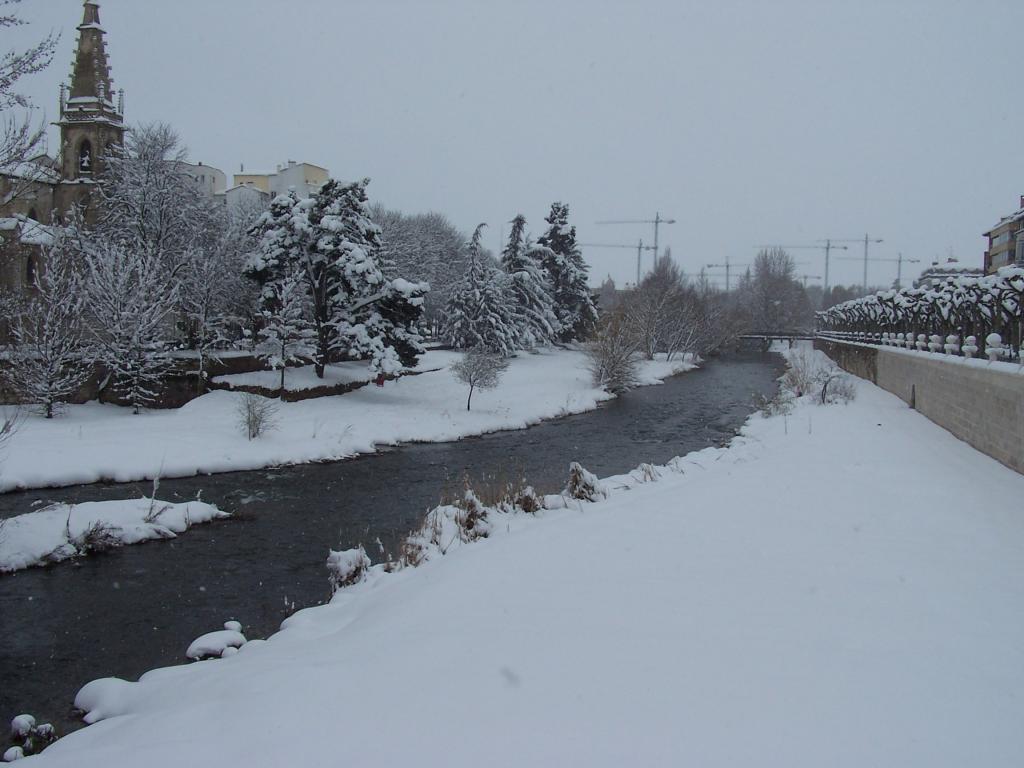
{"x":125,"y":612}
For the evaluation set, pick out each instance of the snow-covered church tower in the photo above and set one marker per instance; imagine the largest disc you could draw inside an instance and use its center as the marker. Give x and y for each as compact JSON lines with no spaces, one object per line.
{"x":91,"y":123}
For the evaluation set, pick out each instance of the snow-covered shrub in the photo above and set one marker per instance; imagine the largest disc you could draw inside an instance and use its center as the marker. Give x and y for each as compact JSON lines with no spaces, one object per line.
{"x":803,"y":374}
{"x":614,"y":356}
{"x":347,"y":567}
{"x":838,"y":388}
{"x":471,"y":518}
{"x":584,"y":485}
{"x":29,"y":738}
{"x":528,"y":501}
{"x":479,"y":369}
{"x":97,"y":538}
{"x":779,"y":404}
{"x":256,"y":415}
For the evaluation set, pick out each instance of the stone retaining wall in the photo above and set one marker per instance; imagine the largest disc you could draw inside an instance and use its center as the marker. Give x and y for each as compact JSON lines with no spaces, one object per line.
{"x":980,"y":403}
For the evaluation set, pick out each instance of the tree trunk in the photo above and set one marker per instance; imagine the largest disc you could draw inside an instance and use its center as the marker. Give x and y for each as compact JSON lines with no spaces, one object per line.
{"x":470,"y":398}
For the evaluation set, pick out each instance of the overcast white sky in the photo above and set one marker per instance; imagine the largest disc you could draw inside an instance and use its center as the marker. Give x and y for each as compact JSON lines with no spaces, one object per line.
{"x":748,"y":122}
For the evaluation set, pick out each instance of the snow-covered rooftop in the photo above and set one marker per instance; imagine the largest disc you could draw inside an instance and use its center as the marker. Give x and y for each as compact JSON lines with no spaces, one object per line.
{"x":28,"y":231}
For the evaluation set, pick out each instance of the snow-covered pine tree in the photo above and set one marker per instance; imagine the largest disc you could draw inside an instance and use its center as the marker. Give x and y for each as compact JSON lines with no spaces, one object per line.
{"x":480,"y":311}
{"x":286,"y":336}
{"x":332,"y":243}
{"x":134,"y":298}
{"x":535,"y":316}
{"x":568,"y":272}
{"x":373,"y":318}
{"x":48,"y":354}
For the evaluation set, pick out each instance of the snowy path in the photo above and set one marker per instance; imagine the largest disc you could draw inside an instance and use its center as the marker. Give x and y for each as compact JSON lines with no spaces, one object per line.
{"x":103,"y":442}
{"x":841,"y":587}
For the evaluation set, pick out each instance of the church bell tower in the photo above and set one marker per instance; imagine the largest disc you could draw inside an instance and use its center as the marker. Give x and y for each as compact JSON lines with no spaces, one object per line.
{"x":91,"y":123}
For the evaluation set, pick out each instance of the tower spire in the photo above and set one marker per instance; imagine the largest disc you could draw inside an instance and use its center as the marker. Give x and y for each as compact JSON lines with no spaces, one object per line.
{"x":91,"y":119}
{"x":91,"y":76}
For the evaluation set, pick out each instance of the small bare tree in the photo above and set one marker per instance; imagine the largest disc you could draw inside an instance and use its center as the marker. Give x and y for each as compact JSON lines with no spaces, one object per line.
{"x":256,"y":415}
{"x":614,"y":355}
{"x":479,"y":369}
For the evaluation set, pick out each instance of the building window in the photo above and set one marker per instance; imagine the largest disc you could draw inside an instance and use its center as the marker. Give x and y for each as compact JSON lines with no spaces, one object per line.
{"x":85,"y":159}
{"x":30,"y":271}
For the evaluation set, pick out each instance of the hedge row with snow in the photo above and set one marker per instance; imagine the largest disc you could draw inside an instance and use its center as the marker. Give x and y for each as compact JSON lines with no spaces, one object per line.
{"x":962,"y":306}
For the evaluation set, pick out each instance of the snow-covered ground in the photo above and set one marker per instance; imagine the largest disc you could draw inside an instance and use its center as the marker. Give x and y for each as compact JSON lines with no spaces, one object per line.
{"x":62,"y":531}
{"x":840,"y":587}
{"x":103,"y":442}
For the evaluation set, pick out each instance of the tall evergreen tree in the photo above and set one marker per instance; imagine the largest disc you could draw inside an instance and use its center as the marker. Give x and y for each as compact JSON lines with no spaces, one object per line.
{"x":480,"y":312}
{"x":534,"y":305}
{"x":332,"y":243}
{"x":567,"y":271}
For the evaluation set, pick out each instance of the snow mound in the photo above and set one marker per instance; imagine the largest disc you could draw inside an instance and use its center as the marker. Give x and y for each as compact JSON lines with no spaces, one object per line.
{"x":214,"y":644}
{"x":63,"y":531}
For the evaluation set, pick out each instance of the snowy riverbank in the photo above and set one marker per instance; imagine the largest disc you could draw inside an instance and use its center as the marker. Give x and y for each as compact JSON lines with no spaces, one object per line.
{"x":102,"y":442}
{"x":62,"y":531}
{"x":839,"y":587}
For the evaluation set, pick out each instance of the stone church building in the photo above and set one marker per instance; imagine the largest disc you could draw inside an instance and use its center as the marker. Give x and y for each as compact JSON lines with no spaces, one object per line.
{"x":44,"y":189}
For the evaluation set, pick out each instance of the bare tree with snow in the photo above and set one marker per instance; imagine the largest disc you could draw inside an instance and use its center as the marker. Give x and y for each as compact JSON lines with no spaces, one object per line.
{"x":47,"y":359}
{"x":21,"y":137}
{"x":131,"y":301}
{"x":479,"y":369}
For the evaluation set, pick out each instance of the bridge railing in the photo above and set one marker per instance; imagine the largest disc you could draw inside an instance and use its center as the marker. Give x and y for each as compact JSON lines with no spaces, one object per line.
{"x":966,"y":316}
{"x":991,"y":347}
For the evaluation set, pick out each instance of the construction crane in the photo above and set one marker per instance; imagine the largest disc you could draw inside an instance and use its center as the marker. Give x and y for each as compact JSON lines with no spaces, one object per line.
{"x":828,"y":247}
{"x":867,"y":241}
{"x":728,"y":270}
{"x":805,"y":278}
{"x":657,"y":221}
{"x":899,"y":266}
{"x":640,"y":248}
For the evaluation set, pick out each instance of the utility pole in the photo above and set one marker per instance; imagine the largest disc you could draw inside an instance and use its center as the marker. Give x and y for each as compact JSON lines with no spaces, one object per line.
{"x":657,"y":221}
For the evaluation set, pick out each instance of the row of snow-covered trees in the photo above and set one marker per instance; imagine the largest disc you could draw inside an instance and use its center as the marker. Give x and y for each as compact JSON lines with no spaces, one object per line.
{"x":536,"y":295}
{"x":964,"y":306}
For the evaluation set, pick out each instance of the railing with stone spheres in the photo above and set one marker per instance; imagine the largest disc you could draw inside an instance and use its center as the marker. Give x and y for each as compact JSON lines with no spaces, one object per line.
{"x":964,"y":316}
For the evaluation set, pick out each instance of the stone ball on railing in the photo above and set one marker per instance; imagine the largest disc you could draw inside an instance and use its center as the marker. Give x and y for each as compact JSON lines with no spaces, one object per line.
{"x":934,"y":343}
{"x":970,"y":347}
{"x":994,"y":347}
{"x":922,"y":342}
{"x":952,"y":344}
{"x":899,"y":339}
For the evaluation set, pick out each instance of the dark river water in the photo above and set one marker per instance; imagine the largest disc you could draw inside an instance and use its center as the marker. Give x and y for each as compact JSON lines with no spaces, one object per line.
{"x":125,"y":612}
